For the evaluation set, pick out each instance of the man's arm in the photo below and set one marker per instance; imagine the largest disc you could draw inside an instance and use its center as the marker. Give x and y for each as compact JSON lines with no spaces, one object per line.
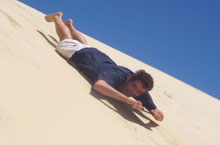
{"x":148,"y":103}
{"x":105,"y":89}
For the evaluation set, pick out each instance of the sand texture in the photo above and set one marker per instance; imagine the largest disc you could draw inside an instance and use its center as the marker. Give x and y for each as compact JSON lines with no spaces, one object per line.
{"x":46,"y":101}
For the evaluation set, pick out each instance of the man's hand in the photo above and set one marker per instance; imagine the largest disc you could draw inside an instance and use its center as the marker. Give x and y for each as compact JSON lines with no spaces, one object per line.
{"x":157,"y":114}
{"x":135,"y":104}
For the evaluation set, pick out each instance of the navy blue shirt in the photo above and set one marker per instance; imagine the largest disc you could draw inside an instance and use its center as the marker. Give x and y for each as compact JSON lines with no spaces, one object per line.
{"x":96,"y":65}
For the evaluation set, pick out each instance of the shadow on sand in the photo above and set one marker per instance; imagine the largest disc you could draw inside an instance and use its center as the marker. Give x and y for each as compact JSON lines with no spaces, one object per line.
{"x":50,"y":42}
{"x":119,"y":107}
{"x":124,"y":110}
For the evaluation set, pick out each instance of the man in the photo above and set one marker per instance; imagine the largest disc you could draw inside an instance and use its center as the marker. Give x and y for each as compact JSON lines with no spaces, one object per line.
{"x":107,"y":78}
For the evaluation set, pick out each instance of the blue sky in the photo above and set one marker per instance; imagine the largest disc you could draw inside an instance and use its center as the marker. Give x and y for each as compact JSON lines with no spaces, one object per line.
{"x":178,"y":37}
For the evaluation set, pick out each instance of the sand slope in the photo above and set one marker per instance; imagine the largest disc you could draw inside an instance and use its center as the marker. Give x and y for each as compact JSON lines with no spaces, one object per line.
{"x":45,"y":101}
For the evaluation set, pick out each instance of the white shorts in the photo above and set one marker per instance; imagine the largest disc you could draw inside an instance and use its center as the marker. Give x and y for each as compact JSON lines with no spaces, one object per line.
{"x":68,"y":47}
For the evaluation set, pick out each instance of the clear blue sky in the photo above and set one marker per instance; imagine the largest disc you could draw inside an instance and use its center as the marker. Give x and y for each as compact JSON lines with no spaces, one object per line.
{"x":178,"y":37}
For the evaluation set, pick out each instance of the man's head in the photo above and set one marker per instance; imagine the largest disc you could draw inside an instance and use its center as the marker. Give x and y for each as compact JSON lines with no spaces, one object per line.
{"x":137,"y":84}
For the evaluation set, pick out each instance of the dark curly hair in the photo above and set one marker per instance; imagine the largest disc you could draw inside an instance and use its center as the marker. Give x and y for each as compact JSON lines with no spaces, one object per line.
{"x":144,"y":77}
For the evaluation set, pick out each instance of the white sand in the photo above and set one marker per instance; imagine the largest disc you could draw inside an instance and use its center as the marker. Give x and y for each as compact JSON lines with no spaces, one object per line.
{"x":45,"y":101}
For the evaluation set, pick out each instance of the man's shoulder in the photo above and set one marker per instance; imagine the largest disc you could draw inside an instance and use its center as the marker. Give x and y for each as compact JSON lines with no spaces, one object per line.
{"x":123,"y":69}
{"x":115,"y":76}
{"x":118,"y":71}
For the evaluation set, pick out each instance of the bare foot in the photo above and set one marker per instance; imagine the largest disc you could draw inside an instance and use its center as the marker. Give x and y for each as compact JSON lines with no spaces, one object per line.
{"x":69,"y":23}
{"x":51,"y":17}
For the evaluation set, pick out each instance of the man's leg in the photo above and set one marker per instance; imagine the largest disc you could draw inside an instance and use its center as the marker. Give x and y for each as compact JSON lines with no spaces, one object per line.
{"x":76,"y":35}
{"x":62,"y":30}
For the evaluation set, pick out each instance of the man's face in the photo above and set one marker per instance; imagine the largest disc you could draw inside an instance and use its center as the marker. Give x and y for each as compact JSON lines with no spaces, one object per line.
{"x":133,"y":88}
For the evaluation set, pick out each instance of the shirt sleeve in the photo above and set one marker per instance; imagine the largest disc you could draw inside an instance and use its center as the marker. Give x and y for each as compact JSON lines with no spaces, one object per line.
{"x":113,"y":77}
{"x":147,"y":101}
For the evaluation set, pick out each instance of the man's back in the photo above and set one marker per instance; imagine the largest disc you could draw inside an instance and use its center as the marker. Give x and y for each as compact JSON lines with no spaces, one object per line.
{"x":97,"y":65}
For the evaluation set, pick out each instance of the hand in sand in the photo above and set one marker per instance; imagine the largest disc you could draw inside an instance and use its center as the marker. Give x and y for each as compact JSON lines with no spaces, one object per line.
{"x":157,"y":114}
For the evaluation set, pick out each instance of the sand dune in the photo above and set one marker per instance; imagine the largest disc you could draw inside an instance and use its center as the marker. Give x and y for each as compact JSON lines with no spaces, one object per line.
{"x":45,"y":101}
